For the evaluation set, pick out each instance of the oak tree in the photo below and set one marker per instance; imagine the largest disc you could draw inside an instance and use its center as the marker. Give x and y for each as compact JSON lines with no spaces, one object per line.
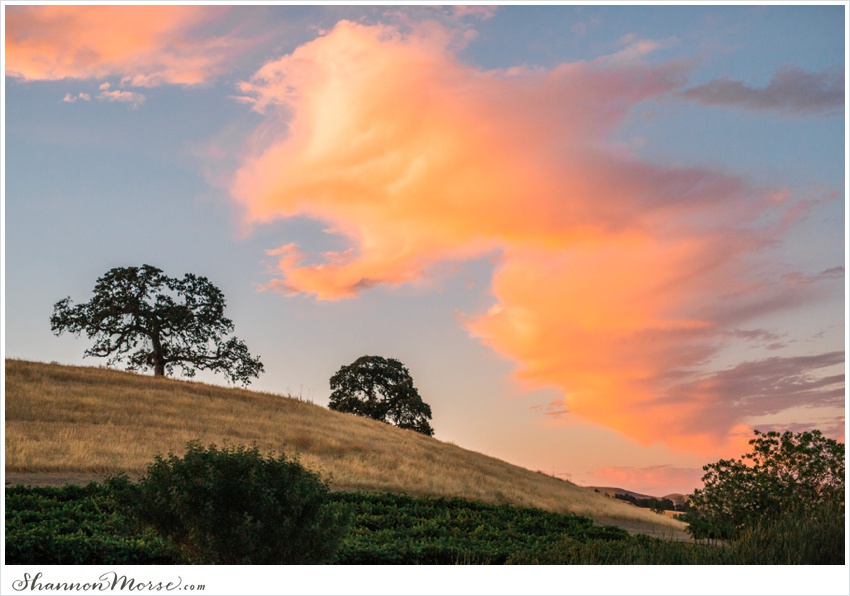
{"x":381,"y":389}
{"x":141,"y":315}
{"x":784,"y":473}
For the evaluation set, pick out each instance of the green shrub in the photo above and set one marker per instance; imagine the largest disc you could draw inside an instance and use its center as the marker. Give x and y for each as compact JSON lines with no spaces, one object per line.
{"x":233,"y":506}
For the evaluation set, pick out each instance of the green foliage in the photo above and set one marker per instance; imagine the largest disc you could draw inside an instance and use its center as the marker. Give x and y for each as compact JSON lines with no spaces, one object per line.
{"x":784,"y":472}
{"x":234,"y":506}
{"x":397,"y":529}
{"x":386,"y":529}
{"x":381,"y":389}
{"x":811,"y":537}
{"x":155,"y":321}
{"x":74,"y":525}
{"x":79,"y":525}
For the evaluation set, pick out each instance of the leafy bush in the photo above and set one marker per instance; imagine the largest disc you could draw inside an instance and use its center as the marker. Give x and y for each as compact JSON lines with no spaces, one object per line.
{"x":234,"y":506}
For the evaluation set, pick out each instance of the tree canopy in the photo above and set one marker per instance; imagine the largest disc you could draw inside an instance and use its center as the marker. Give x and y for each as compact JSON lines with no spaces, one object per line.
{"x":784,"y":473}
{"x":142,"y":316}
{"x":381,"y":389}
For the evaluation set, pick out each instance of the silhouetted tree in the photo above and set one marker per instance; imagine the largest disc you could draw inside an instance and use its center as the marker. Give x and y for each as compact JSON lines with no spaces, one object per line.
{"x":785,"y":473}
{"x":140,"y":315}
{"x":381,"y":389}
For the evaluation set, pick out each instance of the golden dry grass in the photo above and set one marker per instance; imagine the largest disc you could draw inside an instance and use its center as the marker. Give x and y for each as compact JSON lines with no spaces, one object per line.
{"x":77,"y":421}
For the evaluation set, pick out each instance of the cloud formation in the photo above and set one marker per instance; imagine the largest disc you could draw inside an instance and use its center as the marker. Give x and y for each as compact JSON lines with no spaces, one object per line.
{"x":616,"y":280}
{"x":791,"y":91}
{"x":143,"y":45}
{"x":768,"y":386}
{"x":418,"y":157}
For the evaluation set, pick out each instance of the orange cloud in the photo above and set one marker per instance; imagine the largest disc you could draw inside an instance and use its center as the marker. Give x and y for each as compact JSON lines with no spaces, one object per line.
{"x":145,"y":45}
{"x":611,"y":322}
{"x":615,"y":278}
{"x":417,"y":157}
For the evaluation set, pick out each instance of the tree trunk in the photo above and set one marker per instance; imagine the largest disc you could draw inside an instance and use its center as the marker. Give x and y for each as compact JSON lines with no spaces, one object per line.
{"x":159,"y":367}
{"x":158,"y":356}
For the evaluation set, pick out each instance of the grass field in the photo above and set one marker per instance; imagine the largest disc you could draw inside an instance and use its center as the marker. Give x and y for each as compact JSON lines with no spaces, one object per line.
{"x":78,"y":423}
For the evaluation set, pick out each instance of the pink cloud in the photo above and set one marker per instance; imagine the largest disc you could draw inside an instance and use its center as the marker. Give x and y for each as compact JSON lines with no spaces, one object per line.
{"x":144,"y":45}
{"x":117,"y":95}
{"x":617,"y":279}
{"x":134,"y":99}
{"x":72,"y":98}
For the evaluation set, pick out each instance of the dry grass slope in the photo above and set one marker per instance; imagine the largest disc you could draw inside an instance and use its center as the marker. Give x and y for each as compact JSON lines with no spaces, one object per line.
{"x":78,"y":422}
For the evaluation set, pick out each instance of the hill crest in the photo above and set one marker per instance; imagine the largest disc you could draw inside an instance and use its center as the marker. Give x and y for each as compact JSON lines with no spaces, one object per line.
{"x":677,"y":498}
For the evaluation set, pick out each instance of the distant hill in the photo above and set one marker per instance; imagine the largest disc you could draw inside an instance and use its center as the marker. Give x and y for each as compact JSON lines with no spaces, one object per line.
{"x":73,"y":424}
{"x":677,"y":498}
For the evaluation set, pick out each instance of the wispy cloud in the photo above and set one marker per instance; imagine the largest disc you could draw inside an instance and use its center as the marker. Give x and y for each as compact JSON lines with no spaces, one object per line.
{"x":554,"y":409}
{"x":143,"y":45}
{"x":72,"y":98}
{"x":792,"y":92}
{"x":120,"y":95}
{"x":477,"y":11}
{"x":134,"y":99}
{"x":617,"y":280}
{"x":766,"y":387}
{"x":832,"y":427}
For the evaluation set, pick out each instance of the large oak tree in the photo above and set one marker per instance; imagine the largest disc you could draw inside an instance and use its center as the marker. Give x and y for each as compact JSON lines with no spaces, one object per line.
{"x":141,"y":315}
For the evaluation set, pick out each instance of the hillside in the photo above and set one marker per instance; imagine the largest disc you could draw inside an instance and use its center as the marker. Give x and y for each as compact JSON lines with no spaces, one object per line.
{"x":74,"y":424}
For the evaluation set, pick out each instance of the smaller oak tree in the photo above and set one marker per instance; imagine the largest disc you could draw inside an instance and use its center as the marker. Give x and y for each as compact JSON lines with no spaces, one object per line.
{"x":155,"y":321}
{"x":381,"y":389}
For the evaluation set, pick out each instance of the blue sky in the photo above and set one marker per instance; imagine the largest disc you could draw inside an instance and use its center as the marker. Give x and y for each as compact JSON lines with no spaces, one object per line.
{"x":116,"y":160}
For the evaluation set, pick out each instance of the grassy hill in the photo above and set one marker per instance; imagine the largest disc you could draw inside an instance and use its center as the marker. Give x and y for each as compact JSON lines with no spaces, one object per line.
{"x":66,"y":423}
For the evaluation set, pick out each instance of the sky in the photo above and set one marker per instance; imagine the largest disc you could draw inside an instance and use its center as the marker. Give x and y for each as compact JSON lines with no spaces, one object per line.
{"x":608,"y":242}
